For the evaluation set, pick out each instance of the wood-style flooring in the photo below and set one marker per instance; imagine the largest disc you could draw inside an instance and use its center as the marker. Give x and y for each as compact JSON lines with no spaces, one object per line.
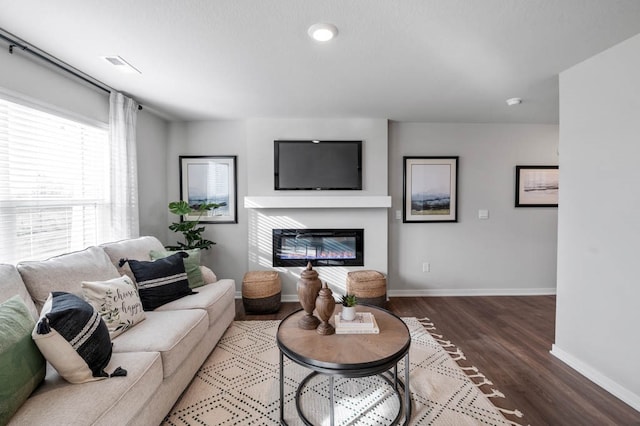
{"x":508,"y":339}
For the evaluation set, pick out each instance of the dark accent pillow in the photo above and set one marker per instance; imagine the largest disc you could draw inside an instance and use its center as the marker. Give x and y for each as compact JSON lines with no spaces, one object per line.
{"x":161,"y":281}
{"x":74,"y":339}
{"x":22,"y":366}
{"x":191,"y":264}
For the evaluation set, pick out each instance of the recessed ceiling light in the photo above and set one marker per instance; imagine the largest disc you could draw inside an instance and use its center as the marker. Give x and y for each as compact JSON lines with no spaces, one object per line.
{"x":514,"y":101}
{"x":322,"y":32}
{"x":121,"y":65}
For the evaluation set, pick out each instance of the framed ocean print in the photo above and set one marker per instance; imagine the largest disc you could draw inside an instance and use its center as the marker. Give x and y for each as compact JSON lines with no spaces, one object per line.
{"x":210,"y":179}
{"x":537,"y":186}
{"x":430,"y":189}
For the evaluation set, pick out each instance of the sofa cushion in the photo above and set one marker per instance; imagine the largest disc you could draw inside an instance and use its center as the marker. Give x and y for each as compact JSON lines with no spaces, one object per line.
{"x":134,"y":248}
{"x":191,"y":264}
{"x":107,"y":402}
{"x":117,"y":301}
{"x":73,"y":338}
{"x":213,"y":298}
{"x":65,"y":273}
{"x":172,"y":333}
{"x":22,"y":366}
{"x":11,"y":284}
{"x":160,"y":281}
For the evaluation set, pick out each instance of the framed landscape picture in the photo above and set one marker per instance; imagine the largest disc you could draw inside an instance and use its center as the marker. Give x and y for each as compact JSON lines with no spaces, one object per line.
{"x":430,"y":189}
{"x":537,"y":186}
{"x":210,"y":179}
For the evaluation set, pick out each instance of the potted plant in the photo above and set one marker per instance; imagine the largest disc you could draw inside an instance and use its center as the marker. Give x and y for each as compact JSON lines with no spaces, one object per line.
{"x":349,"y":302}
{"x":190,"y":230}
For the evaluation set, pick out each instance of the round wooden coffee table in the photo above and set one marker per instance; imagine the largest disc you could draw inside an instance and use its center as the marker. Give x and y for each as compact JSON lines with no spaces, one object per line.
{"x":348,"y":355}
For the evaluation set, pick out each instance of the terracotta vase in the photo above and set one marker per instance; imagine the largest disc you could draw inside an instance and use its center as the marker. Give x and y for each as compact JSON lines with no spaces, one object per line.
{"x":325,"y":305}
{"x":308,"y":288}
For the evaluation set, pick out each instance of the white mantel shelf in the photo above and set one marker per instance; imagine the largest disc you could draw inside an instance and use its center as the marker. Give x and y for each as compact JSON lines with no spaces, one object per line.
{"x":318,"y":202}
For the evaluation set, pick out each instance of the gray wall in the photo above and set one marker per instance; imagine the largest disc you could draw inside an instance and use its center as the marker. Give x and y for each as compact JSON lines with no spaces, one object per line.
{"x":228,"y":258}
{"x":599,"y":225}
{"x":25,"y":75}
{"x":152,"y":143}
{"x":513,"y":252}
{"x":252,"y":142}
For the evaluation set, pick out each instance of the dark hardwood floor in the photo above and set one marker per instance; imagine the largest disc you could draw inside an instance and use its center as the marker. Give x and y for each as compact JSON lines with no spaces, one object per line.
{"x":508,"y":339}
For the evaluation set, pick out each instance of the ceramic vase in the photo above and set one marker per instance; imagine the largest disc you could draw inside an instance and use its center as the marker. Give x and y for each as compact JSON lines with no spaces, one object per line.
{"x":308,"y":287}
{"x":348,"y":313}
{"x":325,"y":305}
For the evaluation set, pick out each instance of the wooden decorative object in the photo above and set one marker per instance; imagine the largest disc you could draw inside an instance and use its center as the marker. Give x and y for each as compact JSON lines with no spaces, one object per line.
{"x":325,"y":305}
{"x":308,"y":289}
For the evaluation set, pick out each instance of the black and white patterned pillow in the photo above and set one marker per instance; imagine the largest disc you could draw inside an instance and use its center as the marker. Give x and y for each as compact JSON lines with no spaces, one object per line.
{"x":74,"y":339}
{"x":160,"y":281}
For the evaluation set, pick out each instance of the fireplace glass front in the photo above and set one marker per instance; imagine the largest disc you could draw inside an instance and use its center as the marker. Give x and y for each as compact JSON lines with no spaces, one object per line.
{"x":321,"y":247}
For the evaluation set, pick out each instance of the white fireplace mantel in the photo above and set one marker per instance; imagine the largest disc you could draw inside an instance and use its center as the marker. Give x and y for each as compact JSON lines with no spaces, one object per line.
{"x":317,"y":202}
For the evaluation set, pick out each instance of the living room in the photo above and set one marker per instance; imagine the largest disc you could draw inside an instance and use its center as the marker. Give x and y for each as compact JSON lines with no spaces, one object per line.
{"x":582,"y":252}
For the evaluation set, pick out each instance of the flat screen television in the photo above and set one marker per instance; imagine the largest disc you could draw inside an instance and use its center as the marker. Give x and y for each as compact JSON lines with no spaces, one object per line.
{"x":317,"y":165}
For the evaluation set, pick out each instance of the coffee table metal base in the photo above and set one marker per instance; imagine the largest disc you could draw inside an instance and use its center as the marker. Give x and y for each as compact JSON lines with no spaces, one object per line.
{"x":399,"y":386}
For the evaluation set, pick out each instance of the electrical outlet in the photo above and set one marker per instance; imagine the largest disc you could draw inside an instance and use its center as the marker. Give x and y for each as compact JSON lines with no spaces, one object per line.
{"x":426,"y":267}
{"x":398,"y":214}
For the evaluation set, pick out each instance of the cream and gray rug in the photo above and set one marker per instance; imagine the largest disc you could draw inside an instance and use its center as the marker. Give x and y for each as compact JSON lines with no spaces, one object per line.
{"x":239,"y":385}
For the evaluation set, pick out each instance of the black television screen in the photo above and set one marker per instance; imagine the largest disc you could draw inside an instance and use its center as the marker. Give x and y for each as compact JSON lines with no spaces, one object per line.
{"x":318,"y":165}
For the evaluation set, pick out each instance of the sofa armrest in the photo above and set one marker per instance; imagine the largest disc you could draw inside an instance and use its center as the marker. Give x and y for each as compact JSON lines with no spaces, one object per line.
{"x":208,"y":275}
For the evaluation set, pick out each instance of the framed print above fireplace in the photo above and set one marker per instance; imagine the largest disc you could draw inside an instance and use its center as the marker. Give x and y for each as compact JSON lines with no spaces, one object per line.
{"x":430,"y":189}
{"x":210,"y":179}
{"x":537,"y":186}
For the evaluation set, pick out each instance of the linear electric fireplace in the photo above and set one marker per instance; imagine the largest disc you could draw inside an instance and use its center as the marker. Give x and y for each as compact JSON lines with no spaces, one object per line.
{"x":321,"y":247}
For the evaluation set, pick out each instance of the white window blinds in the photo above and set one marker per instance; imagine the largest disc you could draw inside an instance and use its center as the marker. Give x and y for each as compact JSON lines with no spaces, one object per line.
{"x":54,"y":184}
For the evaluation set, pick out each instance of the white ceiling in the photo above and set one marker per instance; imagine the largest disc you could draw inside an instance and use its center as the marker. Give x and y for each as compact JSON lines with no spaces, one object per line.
{"x":405,"y":60}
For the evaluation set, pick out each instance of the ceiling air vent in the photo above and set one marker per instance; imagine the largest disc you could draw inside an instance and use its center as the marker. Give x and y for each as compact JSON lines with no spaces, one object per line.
{"x":121,"y":65}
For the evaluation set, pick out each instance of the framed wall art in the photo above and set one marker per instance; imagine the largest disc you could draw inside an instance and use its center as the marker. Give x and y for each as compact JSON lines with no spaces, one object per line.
{"x":210,"y":179}
{"x":537,"y":186}
{"x":430,"y":189}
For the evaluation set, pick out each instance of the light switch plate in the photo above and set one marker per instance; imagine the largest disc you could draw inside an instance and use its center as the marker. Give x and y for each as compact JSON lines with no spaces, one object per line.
{"x":483,"y":214}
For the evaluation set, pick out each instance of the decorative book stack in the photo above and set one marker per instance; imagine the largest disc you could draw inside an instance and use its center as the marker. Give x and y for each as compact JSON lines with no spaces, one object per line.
{"x":364,"y":323}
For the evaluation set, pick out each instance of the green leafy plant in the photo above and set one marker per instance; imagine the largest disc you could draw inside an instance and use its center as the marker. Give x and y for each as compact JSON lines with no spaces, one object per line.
{"x":349,"y":300}
{"x":191,"y":232}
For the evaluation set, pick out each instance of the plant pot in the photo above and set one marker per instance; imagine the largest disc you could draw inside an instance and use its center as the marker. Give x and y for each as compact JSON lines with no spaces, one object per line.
{"x":348,"y":313}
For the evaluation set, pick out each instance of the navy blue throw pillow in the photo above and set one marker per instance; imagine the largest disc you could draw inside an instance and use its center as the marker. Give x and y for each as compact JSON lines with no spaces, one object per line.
{"x":74,"y":339}
{"x":160,"y":281}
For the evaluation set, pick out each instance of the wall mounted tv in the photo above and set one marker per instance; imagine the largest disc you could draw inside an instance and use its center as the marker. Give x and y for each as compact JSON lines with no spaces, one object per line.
{"x":317,"y":165}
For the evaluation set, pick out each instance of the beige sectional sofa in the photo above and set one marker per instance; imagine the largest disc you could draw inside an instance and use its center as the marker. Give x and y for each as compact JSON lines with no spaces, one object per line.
{"x":161,"y":354}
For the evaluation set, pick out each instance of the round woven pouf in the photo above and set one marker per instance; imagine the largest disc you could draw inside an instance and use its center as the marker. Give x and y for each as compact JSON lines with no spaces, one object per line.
{"x":370,"y":287}
{"x":261,"y":292}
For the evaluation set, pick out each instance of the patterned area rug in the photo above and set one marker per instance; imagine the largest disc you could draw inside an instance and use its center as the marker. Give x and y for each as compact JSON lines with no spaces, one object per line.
{"x":239,"y":385}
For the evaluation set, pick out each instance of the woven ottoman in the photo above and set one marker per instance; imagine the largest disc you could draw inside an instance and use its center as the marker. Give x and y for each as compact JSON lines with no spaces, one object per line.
{"x":261,"y":292}
{"x":370,"y":287}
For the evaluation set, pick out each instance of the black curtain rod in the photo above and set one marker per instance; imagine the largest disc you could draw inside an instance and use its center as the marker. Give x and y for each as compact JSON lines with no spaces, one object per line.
{"x":15,"y":42}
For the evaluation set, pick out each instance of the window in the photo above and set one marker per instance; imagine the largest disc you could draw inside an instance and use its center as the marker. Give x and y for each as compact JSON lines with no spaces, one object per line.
{"x":54,"y":183}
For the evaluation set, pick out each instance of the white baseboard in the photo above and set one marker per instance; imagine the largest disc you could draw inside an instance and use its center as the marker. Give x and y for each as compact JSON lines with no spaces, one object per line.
{"x":449,"y":292}
{"x":442,"y":292}
{"x":620,"y":392}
